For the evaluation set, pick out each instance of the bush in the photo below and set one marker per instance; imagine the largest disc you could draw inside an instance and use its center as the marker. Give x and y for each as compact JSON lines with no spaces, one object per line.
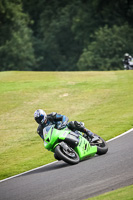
{"x":106,"y":50}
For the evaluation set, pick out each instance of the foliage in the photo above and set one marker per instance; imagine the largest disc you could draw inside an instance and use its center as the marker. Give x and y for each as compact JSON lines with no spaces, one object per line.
{"x":56,"y":35}
{"x":16,"y":51}
{"x":107,"y":48}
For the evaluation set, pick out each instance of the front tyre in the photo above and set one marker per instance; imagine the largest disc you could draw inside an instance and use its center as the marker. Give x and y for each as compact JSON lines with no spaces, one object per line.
{"x":67,"y":154}
{"x":56,"y":157}
{"x":102,"y":147}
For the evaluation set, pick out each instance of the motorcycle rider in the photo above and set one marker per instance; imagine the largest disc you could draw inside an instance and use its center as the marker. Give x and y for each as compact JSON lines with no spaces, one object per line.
{"x":127,"y":59}
{"x":60,"y":121}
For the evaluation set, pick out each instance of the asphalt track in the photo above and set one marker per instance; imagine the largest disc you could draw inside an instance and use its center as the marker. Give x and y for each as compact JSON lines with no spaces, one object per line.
{"x":60,"y":181}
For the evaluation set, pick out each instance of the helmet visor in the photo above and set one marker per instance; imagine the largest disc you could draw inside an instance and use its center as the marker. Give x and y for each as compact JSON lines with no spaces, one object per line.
{"x":39,"y":119}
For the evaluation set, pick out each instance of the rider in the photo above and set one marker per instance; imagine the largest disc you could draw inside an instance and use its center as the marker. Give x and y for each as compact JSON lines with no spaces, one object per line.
{"x":127,"y":58}
{"x":60,"y":121}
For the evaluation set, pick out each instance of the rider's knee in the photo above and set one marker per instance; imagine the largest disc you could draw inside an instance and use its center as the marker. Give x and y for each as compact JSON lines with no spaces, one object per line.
{"x":75,"y":125}
{"x":71,"y":125}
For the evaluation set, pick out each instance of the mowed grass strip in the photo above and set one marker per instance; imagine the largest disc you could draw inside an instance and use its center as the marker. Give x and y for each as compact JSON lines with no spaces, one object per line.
{"x":102,"y":100}
{"x":125,"y":193}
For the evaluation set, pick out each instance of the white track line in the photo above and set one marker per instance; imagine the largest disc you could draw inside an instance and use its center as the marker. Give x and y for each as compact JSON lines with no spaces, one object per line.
{"x":121,"y":135}
{"x":27,"y":171}
{"x":57,"y":161}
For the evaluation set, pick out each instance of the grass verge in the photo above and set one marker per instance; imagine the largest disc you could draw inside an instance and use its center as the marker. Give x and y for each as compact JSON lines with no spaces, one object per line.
{"x":125,"y":193}
{"x":103,"y":100}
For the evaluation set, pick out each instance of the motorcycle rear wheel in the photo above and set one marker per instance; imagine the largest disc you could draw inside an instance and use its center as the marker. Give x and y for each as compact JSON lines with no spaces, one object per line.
{"x":102,"y":147}
{"x":69,"y":156}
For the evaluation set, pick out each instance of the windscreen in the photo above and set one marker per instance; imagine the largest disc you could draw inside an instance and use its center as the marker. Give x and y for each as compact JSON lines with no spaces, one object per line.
{"x":46,"y":130}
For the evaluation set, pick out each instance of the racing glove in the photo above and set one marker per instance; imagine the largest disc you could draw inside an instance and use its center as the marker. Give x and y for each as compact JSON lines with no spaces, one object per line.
{"x":61,"y":126}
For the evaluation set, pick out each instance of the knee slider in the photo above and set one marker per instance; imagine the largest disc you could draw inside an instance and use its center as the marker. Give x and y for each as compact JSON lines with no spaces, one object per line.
{"x":79,"y":124}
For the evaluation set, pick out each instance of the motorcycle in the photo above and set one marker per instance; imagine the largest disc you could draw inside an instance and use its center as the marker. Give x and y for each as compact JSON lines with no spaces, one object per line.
{"x":129,"y":65}
{"x":72,"y":147}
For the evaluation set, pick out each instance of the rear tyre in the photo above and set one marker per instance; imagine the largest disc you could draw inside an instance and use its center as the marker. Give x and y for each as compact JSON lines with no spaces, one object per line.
{"x":102,"y":147}
{"x":68,"y":155}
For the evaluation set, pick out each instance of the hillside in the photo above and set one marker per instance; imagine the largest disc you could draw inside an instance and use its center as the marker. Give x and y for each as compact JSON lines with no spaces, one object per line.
{"x":102,"y":100}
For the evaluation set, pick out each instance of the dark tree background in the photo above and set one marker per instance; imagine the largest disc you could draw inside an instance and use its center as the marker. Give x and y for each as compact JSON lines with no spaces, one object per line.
{"x":62,"y":35}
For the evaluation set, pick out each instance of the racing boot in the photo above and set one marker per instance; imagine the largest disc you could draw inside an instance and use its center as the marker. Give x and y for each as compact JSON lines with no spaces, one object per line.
{"x":92,"y":138}
{"x":89,"y":133}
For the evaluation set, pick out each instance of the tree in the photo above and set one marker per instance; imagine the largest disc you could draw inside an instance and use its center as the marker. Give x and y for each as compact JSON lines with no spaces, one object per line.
{"x":61,"y":35}
{"x":114,"y":12}
{"x":107,"y":49}
{"x":16,"y":51}
{"x":59,"y":50}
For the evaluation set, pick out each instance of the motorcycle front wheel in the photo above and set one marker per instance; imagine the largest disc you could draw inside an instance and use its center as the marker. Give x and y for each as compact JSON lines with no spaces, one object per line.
{"x":67,"y":155}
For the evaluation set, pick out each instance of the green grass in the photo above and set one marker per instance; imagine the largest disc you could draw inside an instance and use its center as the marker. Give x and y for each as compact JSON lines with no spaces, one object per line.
{"x":103,"y":100}
{"x":125,"y":193}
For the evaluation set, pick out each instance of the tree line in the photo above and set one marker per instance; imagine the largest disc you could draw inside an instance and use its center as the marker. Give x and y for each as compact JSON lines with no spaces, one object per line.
{"x":62,"y":35}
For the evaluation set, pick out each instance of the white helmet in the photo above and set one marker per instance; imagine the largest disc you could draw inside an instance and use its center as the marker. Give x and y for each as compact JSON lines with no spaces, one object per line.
{"x":40,"y":116}
{"x":126,"y":55}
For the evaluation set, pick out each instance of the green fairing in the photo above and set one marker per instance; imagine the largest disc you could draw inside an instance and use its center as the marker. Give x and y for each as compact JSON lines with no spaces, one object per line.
{"x":84,"y":149}
{"x":52,"y":137}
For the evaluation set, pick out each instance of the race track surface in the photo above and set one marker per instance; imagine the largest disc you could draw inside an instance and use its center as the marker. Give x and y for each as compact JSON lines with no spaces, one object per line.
{"x":60,"y":181}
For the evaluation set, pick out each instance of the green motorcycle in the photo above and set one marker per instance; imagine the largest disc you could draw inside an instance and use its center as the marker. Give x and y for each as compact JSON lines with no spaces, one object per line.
{"x":72,"y":147}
